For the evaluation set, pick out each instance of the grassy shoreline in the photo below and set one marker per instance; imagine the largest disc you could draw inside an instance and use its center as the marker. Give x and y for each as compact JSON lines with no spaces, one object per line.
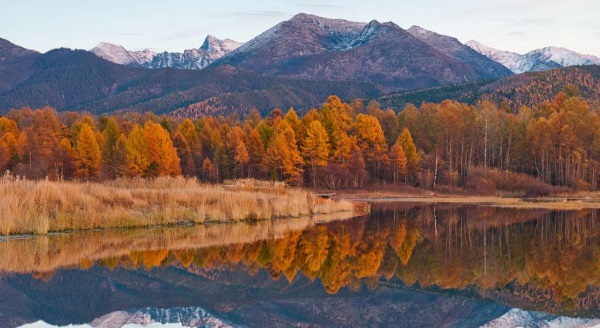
{"x":42,"y":207}
{"x":574,"y":202}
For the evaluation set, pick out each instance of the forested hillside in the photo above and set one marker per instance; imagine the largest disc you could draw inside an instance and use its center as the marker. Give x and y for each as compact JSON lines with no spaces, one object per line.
{"x":529,"y":89}
{"x":338,"y":145}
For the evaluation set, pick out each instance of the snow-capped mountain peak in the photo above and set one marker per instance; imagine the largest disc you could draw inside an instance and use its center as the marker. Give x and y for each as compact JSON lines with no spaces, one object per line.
{"x":566,"y":57}
{"x":197,"y":58}
{"x":513,"y":61}
{"x":119,"y":55}
{"x":536,"y":60}
{"x":480,"y":47}
{"x":215,"y":45}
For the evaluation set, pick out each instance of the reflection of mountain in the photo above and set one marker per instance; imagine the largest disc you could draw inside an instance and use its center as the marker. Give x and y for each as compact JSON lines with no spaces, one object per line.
{"x":187,"y":316}
{"x":246,"y":300}
{"x":155,"y":317}
{"x":519,"y":318}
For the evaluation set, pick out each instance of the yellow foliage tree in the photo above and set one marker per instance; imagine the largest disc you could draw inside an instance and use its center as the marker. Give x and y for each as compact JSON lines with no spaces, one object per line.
{"x":398,"y":162}
{"x":8,"y":126}
{"x":315,"y":148}
{"x":160,"y":150}
{"x":372,"y":142}
{"x":256,"y":151}
{"x":188,"y":130}
{"x":88,"y":156}
{"x":283,"y":154}
{"x":8,"y":150}
{"x":137,"y":152}
{"x":238,"y":149}
{"x":405,"y":140}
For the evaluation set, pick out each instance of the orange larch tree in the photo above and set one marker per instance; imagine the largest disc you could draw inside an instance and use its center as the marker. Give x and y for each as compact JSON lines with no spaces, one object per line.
{"x":161,"y":152}
{"x":283,"y":155}
{"x":398,"y":162}
{"x":137,"y":152}
{"x":87,"y":154}
{"x":315,"y":148}
{"x":372,"y":143}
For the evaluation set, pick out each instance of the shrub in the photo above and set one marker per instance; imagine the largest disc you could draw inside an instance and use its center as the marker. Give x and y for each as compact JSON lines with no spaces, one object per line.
{"x":487,"y":181}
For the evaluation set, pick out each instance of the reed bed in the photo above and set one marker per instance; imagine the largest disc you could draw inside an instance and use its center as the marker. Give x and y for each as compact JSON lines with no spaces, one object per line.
{"x":40,"y":207}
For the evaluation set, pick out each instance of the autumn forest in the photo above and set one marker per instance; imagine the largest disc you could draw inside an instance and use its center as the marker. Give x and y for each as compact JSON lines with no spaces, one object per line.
{"x":484,"y":147}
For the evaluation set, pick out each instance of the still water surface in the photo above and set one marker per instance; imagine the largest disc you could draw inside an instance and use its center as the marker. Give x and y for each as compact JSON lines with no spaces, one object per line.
{"x":403,"y":265}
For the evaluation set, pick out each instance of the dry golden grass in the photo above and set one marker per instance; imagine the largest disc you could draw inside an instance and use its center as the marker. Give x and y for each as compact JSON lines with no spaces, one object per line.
{"x":50,"y":252}
{"x":39,"y":207}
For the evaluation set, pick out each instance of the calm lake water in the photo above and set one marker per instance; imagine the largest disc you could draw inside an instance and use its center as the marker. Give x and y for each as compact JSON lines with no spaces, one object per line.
{"x":403,"y":265}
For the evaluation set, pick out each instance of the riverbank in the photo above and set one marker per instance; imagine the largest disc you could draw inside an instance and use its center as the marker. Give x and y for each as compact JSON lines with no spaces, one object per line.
{"x":41,"y":207}
{"x":575,"y":201}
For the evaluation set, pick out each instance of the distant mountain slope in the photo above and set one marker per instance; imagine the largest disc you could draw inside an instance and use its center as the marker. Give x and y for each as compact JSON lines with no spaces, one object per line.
{"x":536,"y":60}
{"x":529,"y":89}
{"x":483,"y":65}
{"x":79,"y":80}
{"x":211,"y":50}
{"x":15,"y":64}
{"x":11,"y":53}
{"x":312,"y":47}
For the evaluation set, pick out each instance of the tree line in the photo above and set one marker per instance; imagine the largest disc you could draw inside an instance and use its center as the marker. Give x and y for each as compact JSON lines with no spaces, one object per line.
{"x":338,"y":145}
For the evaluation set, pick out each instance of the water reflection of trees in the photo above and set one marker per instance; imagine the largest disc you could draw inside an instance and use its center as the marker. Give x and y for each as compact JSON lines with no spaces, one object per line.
{"x":535,"y":259}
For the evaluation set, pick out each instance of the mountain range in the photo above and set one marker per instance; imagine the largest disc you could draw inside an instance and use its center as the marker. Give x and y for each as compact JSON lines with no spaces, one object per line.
{"x":535,"y":60}
{"x":79,"y":80}
{"x":198,"y":58}
{"x":311,"y":47}
{"x":298,"y":62}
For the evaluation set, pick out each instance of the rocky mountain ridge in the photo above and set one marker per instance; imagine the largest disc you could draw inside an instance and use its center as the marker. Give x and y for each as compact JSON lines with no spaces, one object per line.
{"x":196,"y":58}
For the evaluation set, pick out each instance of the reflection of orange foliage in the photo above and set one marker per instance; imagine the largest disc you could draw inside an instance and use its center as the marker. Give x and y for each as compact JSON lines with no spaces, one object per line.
{"x":549,"y":255}
{"x":397,"y":238}
{"x":86,"y":263}
{"x":314,"y":247}
{"x":47,"y":253}
{"x":185,"y":257}
{"x":405,"y":251}
{"x":153,"y":259}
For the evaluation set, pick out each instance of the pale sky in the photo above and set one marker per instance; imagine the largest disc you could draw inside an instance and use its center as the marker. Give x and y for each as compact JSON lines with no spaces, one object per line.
{"x":175,"y":25}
